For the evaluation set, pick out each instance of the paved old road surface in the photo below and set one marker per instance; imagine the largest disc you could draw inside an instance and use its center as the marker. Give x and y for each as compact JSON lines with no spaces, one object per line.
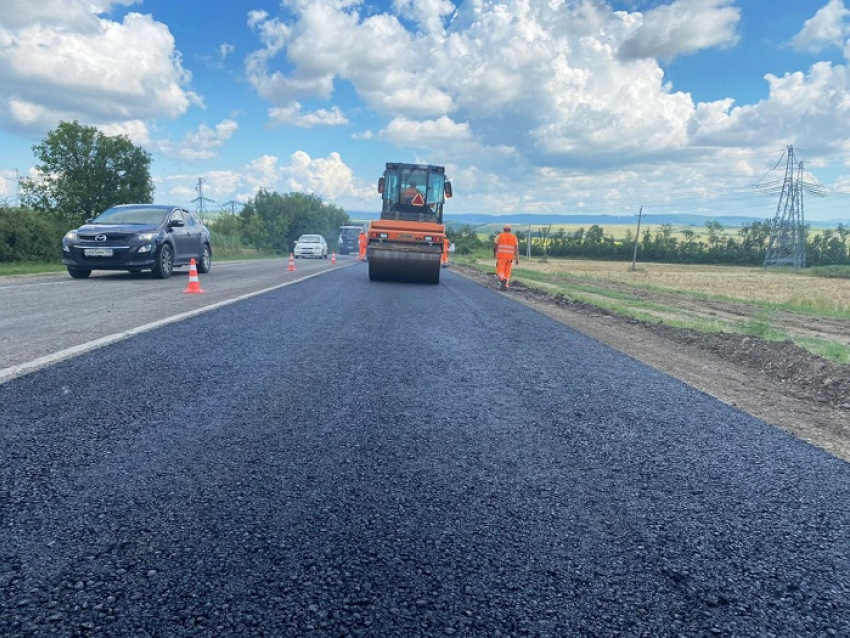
{"x":49,"y":317}
{"x":346,"y":458}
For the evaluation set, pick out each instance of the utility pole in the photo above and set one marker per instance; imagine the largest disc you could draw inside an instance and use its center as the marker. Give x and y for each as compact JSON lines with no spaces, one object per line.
{"x":637,"y":239}
{"x":200,"y":201}
{"x":528,"y":244}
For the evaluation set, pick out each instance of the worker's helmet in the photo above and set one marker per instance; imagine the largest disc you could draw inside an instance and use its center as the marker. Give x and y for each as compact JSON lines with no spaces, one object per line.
{"x":507,"y":228}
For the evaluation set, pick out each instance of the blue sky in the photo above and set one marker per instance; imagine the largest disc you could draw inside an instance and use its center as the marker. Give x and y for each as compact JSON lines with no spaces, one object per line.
{"x":534,"y":106}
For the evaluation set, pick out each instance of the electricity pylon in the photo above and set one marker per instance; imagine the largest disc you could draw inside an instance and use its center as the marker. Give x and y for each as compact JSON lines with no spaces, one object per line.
{"x":232,"y":204}
{"x":787,"y":244}
{"x":200,"y":201}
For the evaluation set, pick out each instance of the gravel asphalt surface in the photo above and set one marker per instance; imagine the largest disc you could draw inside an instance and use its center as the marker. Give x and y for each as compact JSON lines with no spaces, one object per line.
{"x":351,"y":458}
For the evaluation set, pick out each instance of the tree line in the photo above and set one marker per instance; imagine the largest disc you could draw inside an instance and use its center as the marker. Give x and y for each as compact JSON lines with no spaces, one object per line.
{"x":713,"y":245}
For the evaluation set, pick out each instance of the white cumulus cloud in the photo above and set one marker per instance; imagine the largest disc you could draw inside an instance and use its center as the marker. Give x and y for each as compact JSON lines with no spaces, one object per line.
{"x":292,"y":114}
{"x":62,"y":60}
{"x":683,"y":27}
{"x":828,"y":27}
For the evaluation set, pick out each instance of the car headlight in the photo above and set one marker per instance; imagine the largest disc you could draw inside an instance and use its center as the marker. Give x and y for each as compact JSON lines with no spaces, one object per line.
{"x":146,"y":236}
{"x":146,"y":248}
{"x":71,"y":235}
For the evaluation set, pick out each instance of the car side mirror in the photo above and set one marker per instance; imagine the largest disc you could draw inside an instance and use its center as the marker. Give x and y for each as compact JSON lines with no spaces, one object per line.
{"x":176,"y":223}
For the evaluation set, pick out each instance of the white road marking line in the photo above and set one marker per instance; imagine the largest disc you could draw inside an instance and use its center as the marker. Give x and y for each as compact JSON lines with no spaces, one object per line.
{"x":7,"y":374}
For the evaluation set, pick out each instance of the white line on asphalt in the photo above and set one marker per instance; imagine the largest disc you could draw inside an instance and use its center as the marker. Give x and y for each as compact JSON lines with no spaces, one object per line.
{"x":7,"y":374}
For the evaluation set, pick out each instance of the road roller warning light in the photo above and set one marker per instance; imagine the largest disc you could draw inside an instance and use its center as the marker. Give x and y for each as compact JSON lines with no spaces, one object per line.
{"x":406,"y":243}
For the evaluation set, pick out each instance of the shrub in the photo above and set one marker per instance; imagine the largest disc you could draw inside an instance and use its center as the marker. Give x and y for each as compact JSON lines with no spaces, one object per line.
{"x":26,"y":235}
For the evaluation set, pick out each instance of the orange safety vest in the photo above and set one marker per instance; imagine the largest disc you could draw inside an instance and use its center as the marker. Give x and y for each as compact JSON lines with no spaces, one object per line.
{"x":506,"y":246}
{"x":411,"y":193}
{"x":363,"y":241}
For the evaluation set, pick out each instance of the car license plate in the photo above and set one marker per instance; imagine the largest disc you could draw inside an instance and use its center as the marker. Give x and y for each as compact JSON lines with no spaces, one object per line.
{"x":98,"y":252}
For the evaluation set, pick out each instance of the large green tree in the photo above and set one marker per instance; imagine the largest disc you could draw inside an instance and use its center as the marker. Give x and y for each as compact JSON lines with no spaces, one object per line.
{"x":272,"y":221}
{"x":83,"y":172}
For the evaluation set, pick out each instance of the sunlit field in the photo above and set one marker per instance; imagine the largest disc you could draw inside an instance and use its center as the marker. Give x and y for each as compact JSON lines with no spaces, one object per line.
{"x":797,"y":290}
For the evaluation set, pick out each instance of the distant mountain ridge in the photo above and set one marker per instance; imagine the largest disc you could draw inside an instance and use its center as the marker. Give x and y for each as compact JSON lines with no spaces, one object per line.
{"x":525,"y":219}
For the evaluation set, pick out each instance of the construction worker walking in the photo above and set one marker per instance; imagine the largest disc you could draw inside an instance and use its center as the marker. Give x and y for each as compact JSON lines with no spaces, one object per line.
{"x":506,"y":252}
{"x":362,"y":242}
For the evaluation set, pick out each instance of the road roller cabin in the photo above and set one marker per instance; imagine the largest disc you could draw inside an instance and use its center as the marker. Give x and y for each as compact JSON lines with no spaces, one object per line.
{"x":406,"y":243}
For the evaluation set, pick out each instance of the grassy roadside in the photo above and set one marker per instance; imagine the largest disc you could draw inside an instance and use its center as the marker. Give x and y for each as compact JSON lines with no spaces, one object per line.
{"x":8,"y":269}
{"x":616,"y":289}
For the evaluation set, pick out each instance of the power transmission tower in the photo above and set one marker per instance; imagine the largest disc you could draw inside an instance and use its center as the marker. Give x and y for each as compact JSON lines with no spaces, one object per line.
{"x":231,"y":205}
{"x":787,"y":244}
{"x":200,"y":201}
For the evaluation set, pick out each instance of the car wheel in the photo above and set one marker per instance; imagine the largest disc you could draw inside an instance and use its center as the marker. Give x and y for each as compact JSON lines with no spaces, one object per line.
{"x":164,"y":265}
{"x":205,"y":260}
{"x":79,"y":273}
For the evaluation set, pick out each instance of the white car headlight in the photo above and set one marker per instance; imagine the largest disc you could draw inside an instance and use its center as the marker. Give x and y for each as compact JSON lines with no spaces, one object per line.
{"x":71,"y":235}
{"x":146,"y":236}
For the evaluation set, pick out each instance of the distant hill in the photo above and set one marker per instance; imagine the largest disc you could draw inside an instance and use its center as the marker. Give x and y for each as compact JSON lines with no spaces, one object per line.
{"x":524,"y":219}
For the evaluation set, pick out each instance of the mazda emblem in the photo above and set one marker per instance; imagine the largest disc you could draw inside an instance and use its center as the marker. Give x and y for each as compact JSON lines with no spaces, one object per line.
{"x":100,"y":237}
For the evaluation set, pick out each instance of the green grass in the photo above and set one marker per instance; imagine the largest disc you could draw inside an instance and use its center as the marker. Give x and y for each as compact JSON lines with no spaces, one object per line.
{"x":760,"y":327}
{"x":29,"y":268}
{"x":833,"y":272}
{"x":38,"y":268}
{"x":626,"y":305}
{"x":826,"y":349}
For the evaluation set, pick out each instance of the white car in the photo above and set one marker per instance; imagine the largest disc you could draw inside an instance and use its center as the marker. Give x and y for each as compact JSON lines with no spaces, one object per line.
{"x":311,"y":246}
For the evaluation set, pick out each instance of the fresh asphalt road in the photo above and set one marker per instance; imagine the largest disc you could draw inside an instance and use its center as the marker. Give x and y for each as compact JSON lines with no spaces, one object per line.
{"x":339,"y":457}
{"x":48,"y":317}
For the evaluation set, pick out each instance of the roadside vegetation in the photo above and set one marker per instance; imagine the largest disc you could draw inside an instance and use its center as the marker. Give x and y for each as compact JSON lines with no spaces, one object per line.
{"x":771,"y":304}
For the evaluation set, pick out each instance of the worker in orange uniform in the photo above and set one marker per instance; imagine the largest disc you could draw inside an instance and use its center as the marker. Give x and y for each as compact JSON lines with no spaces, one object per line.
{"x":506,"y":252}
{"x":363,"y":242}
{"x":412,"y":195}
{"x":446,"y":245}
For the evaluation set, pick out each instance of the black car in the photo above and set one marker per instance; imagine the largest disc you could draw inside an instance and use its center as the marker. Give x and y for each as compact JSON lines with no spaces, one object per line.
{"x":349,"y":239}
{"x":138,"y":237}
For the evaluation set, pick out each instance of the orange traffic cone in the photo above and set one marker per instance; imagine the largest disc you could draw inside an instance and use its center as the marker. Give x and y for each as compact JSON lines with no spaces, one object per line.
{"x":291,"y":262}
{"x":194,"y":286}
{"x":333,"y":258}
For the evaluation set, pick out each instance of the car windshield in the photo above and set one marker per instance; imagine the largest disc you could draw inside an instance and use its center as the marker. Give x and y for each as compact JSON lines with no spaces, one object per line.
{"x":131,"y":216}
{"x":310,"y":239}
{"x":351,"y":232}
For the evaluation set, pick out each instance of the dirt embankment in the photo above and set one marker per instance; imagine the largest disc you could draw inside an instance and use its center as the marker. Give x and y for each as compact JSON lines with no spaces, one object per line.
{"x":777,"y":382}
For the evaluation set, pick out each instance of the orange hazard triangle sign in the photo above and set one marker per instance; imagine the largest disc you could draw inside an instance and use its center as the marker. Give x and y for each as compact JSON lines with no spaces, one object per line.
{"x":418,"y":200}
